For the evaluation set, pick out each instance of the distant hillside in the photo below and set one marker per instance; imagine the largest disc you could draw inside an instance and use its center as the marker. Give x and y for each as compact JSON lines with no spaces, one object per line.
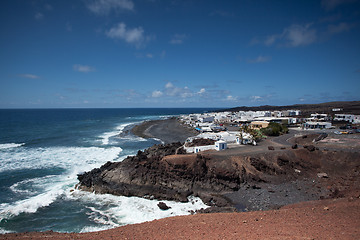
{"x":352,"y":107}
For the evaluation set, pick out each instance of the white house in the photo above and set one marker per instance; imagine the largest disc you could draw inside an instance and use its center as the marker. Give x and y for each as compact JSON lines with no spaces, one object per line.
{"x":319,"y":117}
{"x":206,"y":119}
{"x":200,"y":148}
{"x":316,"y":125}
{"x":347,"y":117}
{"x":220,"y":145}
{"x":245,"y":138}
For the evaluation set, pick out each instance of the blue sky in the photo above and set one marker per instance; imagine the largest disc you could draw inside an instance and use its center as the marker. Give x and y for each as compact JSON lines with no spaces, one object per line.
{"x":180,"y":53}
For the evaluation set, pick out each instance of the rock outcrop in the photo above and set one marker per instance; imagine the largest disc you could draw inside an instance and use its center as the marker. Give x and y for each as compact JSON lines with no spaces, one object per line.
{"x":159,"y":173}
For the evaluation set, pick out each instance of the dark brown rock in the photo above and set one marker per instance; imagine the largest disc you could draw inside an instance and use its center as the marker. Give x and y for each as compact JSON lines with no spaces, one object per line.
{"x":163,"y":206}
{"x":156,"y":173}
{"x":311,"y":148}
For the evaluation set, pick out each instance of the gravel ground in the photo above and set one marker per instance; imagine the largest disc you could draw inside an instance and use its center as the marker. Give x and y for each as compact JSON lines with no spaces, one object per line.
{"x":266,"y":196}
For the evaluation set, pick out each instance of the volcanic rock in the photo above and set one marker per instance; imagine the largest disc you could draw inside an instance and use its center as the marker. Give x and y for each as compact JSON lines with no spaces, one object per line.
{"x":163,"y":206}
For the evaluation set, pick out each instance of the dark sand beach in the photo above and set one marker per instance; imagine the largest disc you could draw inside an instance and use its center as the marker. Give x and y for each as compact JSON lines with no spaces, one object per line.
{"x":167,"y":130}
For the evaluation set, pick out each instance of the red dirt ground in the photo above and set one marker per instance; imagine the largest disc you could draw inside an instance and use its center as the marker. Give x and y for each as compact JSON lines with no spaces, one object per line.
{"x":325,"y":219}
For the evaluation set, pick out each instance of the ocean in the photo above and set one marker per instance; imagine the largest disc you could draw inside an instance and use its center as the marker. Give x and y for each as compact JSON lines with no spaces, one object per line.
{"x":43,"y":150}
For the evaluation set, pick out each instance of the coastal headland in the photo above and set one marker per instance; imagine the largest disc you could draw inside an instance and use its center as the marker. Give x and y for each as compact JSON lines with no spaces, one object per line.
{"x":238,"y":179}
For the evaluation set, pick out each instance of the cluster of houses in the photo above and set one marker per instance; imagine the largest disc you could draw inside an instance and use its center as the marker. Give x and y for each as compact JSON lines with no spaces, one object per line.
{"x":224,"y":127}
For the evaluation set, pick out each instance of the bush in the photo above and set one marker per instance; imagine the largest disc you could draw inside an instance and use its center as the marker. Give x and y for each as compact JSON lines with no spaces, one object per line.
{"x":274,"y":129}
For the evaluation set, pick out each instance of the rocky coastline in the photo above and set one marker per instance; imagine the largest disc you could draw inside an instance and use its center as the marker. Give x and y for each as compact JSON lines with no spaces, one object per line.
{"x":234,"y":180}
{"x":271,"y":176}
{"x":157,"y":173}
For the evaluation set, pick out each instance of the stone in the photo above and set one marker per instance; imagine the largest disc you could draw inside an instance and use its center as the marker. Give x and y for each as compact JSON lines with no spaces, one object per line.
{"x":322,"y":175}
{"x":311,"y":148}
{"x":163,"y":206}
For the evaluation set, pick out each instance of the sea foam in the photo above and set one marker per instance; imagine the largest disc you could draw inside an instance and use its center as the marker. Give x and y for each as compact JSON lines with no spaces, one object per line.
{"x":10,"y":145}
{"x":112,"y":211}
{"x":45,"y":190}
{"x":77,"y":159}
{"x":105,"y":137}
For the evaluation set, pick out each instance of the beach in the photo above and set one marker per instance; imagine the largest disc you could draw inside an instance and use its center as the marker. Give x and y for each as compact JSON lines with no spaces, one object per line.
{"x":167,"y":130}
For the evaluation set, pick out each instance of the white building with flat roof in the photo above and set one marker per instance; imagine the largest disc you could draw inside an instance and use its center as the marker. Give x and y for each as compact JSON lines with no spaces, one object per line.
{"x":317,"y":125}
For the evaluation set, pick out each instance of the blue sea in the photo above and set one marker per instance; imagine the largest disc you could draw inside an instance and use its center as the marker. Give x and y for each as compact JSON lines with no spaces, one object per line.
{"x":43,"y":150}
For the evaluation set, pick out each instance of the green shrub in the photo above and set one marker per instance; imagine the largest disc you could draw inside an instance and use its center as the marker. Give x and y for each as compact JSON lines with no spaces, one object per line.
{"x":274,"y":129}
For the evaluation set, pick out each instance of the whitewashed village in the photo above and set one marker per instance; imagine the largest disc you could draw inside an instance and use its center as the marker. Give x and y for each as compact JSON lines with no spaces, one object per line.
{"x":222,"y":130}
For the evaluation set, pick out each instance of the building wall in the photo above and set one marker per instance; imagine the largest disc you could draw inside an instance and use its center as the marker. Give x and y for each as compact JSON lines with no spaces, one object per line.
{"x":258,"y":125}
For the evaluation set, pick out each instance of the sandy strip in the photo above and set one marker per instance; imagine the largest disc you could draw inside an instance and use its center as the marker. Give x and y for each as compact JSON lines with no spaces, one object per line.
{"x":325,"y":219}
{"x":168,"y":130}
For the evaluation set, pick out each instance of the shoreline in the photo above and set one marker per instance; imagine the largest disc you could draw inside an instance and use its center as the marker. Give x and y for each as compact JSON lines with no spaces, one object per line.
{"x":167,"y":130}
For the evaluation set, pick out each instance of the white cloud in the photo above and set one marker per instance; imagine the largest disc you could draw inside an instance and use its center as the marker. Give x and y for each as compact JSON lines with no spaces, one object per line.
{"x":338,"y":28}
{"x":255,"y":98}
{"x":174,"y":91}
{"x":271,"y":39}
{"x":104,"y":7}
{"x":83,"y":68}
{"x":293,"y":36}
{"x":231,"y":98}
{"x":170,"y":90}
{"x":202,"y":91}
{"x":149,"y":55}
{"x":133,"y":36}
{"x":169,"y":85}
{"x":259,"y":59}
{"x":300,"y":35}
{"x":156,"y":94}
{"x":39,"y":16}
{"x":31,"y":76}
{"x":178,"y":39}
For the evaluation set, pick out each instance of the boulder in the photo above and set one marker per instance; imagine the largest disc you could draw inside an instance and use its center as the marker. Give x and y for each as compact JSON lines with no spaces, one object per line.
{"x":311,"y":148}
{"x":163,"y":206}
{"x":322,"y":175}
